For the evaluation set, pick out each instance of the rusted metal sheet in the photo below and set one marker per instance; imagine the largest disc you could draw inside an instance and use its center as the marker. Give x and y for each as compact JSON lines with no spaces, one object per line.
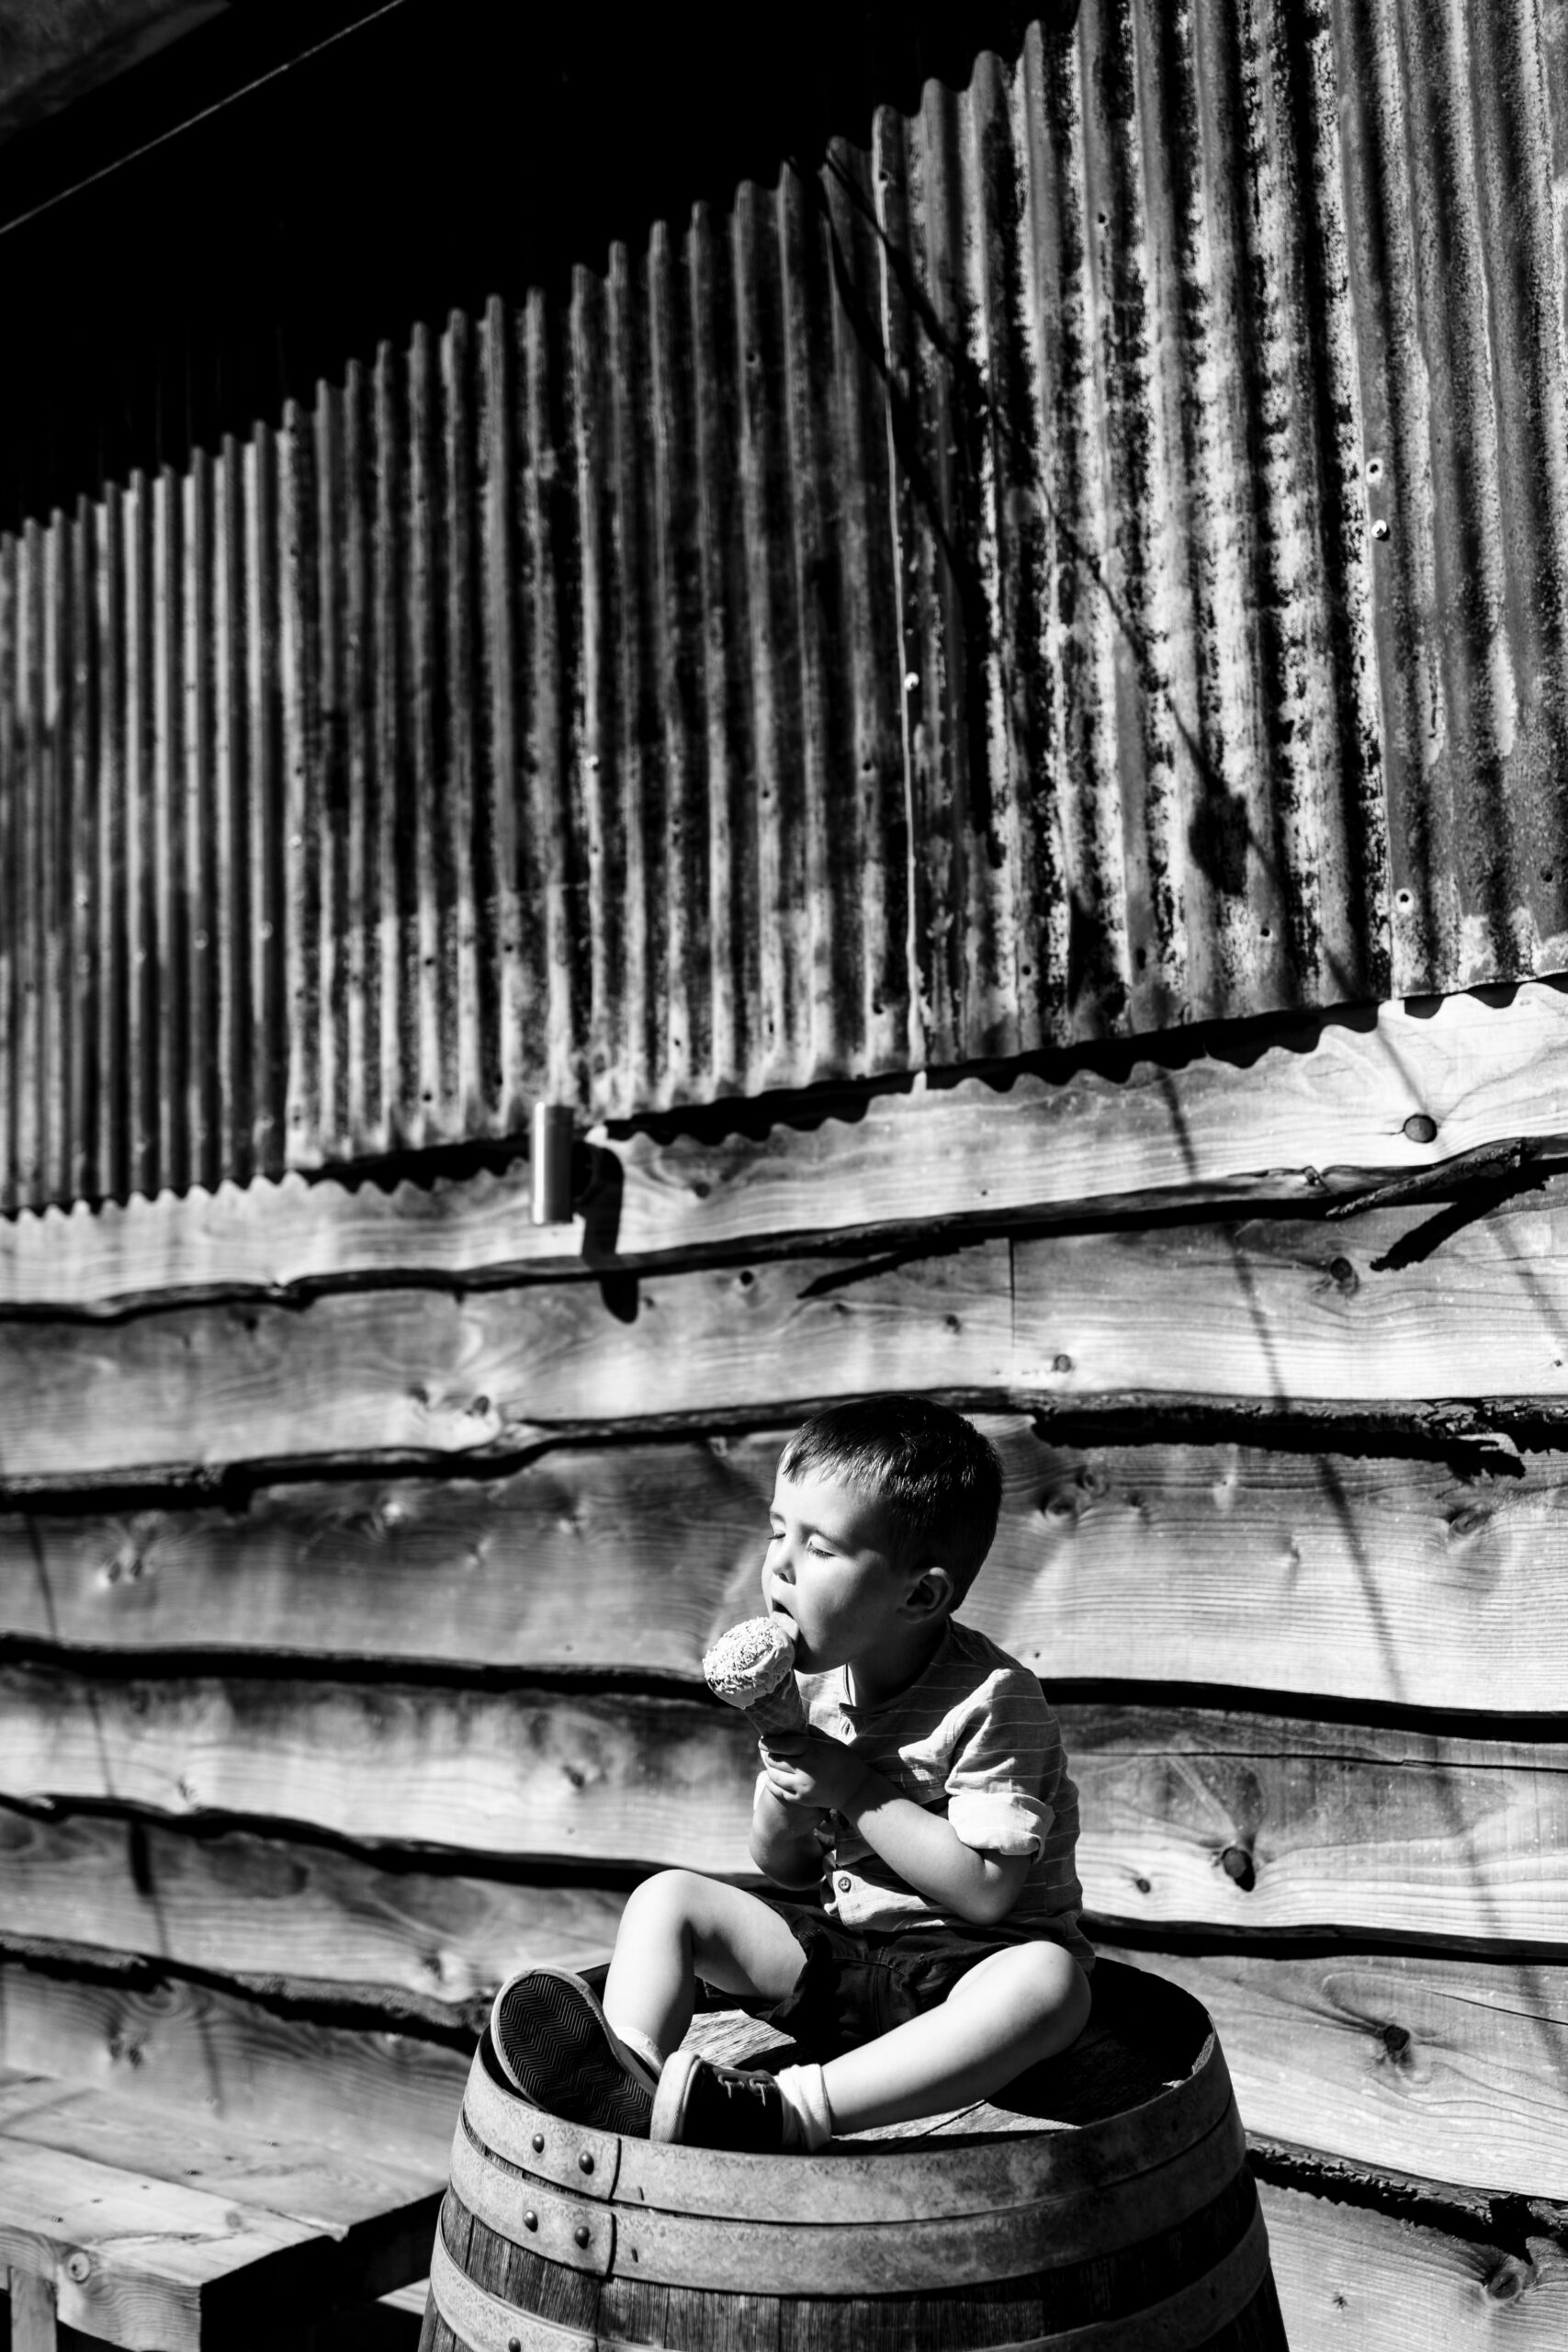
{"x":934,"y":608}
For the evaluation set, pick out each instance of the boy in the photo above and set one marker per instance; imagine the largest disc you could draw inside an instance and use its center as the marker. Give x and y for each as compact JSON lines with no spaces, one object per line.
{"x":947,"y":1955}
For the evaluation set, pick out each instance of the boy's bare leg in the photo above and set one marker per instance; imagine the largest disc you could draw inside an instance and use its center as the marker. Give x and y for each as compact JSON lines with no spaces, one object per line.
{"x":1012,"y":2009}
{"x":678,"y":1926}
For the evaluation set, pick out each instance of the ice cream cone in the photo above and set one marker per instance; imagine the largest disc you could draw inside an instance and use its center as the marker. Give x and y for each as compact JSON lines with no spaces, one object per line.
{"x":752,"y":1668}
{"x":780,"y":1710}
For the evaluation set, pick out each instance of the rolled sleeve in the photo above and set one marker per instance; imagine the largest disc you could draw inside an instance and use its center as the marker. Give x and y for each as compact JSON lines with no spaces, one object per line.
{"x":1002,"y":1777}
{"x":998,"y":1821}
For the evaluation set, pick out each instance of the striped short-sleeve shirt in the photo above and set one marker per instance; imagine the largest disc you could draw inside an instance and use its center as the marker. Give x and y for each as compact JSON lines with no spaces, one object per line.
{"x":976,"y":1739}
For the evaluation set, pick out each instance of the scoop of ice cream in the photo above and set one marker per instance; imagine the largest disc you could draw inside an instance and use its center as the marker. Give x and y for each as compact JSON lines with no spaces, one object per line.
{"x":750,"y":1661}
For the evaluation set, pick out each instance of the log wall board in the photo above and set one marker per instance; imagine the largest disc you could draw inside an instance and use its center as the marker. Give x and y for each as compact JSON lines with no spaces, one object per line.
{"x":1354,"y":1099}
{"x":1350,"y":2279}
{"x":1450,"y":2070}
{"x":1406,"y":1582}
{"x":286,"y":1915}
{"x":1277,"y":1315}
{"x":187,"y":2046}
{"x":1239,"y":1823}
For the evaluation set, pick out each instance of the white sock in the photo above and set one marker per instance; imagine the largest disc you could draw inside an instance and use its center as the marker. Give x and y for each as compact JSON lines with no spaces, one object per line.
{"x":644,"y":2050}
{"x":808,"y":2119}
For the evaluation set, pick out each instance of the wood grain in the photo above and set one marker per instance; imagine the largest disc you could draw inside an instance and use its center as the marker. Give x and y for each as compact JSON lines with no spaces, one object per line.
{"x":1402,"y":1581}
{"x":404,"y":1372}
{"x":147,"y":2257}
{"x":328,"y":2190}
{"x":1325,"y":1829}
{"x":217,"y":2054}
{"x":1271,"y":1315}
{"x":1350,"y":2281}
{"x":1254,"y":1824}
{"x":1449,"y":2069}
{"x":1302,"y":1116}
{"x":601,"y":1776}
{"x":1283,"y":1313}
{"x":276,"y":1914}
{"x":33,"y":2313}
{"x":146,"y":2249}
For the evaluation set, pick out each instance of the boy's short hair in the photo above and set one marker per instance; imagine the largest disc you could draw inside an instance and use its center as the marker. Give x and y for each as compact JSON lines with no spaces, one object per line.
{"x":939,"y":1479}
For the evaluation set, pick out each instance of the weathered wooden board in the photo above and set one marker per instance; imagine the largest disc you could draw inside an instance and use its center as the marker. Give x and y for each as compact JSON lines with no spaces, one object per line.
{"x":1354,"y":2281}
{"x":1402,"y":1581}
{"x":1452,"y":2070}
{"x":1252,"y":1824}
{"x":277,"y":1915}
{"x":150,"y":2247}
{"x":1263,"y":1313}
{"x":595,"y":1558}
{"x":1281,"y":1312}
{"x":141,"y":2258}
{"x":1324,"y":1828}
{"x":327,"y":2190}
{"x":601,"y":1776}
{"x":1314,"y":1112}
{"x":190,"y":2047}
{"x":33,"y":2313}
{"x":407,"y":1372}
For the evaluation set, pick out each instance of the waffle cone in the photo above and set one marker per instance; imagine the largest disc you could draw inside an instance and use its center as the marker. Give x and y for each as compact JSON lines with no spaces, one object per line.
{"x":781,"y":1709}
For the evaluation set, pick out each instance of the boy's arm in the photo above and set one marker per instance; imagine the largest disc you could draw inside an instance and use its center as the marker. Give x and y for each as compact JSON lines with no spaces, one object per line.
{"x":784,"y":1844}
{"x":920,"y":1845}
{"x":930,"y":1855}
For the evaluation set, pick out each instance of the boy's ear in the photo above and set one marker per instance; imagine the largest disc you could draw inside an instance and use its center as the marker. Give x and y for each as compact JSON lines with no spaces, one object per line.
{"x":931,"y":1593}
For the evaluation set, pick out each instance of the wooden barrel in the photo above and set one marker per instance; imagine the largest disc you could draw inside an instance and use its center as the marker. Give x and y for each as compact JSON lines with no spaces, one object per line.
{"x":1107,"y":2207}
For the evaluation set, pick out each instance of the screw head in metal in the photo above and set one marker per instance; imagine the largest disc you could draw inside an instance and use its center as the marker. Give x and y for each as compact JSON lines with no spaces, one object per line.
{"x":582,"y":2234}
{"x":530,"y":2220}
{"x":1380,"y":529}
{"x":537,"y":2144}
{"x":585,"y":2162}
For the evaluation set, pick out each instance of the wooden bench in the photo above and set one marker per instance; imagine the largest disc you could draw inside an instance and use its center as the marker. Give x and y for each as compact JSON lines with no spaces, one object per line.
{"x":129,"y":2223}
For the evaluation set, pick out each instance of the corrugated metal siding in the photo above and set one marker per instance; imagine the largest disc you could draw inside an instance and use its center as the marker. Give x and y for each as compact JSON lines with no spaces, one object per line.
{"x":926,"y":611}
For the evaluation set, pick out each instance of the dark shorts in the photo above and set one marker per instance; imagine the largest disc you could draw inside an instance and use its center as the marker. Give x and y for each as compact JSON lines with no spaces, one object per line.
{"x":861,"y":1981}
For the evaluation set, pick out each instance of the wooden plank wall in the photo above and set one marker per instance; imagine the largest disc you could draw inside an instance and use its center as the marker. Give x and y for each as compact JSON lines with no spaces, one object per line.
{"x":358,"y":1551}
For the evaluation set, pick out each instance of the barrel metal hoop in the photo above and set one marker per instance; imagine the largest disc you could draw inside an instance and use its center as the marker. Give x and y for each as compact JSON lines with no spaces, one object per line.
{"x":879,"y":2182}
{"x":485,"y":2324}
{"x":568,"y":2230}
{"x":742,"y":2254}
{"x":573,"y":2154}
{"x":1193,"y":2314}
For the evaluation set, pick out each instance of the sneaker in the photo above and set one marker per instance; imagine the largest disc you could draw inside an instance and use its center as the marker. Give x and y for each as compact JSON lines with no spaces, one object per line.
{"x":706,"y":2106}
{"x":553,"y":2043}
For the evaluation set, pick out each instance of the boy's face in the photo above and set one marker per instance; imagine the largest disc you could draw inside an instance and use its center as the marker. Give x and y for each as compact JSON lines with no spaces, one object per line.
{"x":831,"y":1571}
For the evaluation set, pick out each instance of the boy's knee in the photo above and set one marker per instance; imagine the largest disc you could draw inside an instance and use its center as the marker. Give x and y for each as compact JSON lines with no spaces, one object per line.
{"x":1040,"y":1981}
{"x":667,"y":1895}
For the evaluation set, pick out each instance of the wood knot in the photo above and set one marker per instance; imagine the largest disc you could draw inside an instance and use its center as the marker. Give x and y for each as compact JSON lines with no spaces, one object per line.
{"x":1238,"y":1866}
{"x":1509,"y":2280}
{"x":1396,"y":2041}
{"x":1343,"y":1272}
{"x":1419,"y":1128}
{"x":79,"y":2265}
